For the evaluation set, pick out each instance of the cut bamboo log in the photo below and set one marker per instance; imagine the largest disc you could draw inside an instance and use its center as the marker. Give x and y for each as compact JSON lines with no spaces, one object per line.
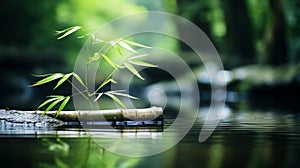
{"x":146,"y":114}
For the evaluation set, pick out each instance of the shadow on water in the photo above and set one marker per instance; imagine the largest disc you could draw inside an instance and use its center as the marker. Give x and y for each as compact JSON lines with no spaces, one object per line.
{"x":243,"y":138}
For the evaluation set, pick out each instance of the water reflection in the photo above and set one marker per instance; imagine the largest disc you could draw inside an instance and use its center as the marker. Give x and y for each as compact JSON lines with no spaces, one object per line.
{"x":81,"y":153}
{"x":243,"y":138}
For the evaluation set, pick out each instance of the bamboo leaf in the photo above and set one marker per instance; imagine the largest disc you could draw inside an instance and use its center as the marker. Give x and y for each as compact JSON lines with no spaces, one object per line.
{"x":83,"y":36}
{"x":135,"y":44}
{"x":119,"y":50}
{"x":62,"y":80}
{"x":99,"y":40}
{"x":57,"y":96}
{"x":106,"y":82}
{"x":137,"y":56}
{"x":95,"y":57}
{"x":52,"y":105}
{"x":141,"y":63}
{"x":126,"y":46}
{"x":116,"y":91}
{"x":133,"y":70}
{"x":98,"y":97}
{"x":116,"y":99}
{"x":46,"y":102}
{"x":112,"y":42}
{"x":122,"y":94}
{"x":109,"y":61}
{"x":62,"y":106}
{"x":67,"y":31}
{"x":42,"y":75}
{"x":96,"y":41}
{"x":78,"y":78}
{"x":48,"y":79}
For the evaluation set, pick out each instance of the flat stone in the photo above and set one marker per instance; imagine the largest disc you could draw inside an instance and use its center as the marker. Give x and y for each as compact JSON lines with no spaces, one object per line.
{"x":17,"y":118}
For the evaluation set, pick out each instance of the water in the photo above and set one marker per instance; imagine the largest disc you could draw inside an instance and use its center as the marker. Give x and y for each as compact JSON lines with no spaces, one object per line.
{"x":243,"y":138}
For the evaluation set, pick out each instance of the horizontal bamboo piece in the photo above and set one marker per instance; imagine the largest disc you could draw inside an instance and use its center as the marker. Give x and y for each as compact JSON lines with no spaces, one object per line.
{"x":146,"y":114}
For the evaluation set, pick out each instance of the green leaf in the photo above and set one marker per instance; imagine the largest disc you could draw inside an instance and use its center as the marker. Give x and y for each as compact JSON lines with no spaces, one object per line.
{"x":52,"y":105}
{"x":126,"y":46}
{"x":106,"y":82}
{"x":98,"y":97}
{"x":58,"y":96}
{"x":135,"y":44}
{"x":62,"y":80}
{"x":119,"y":50}
{"x":67,"y":31}
{"x":122,"y":94}
{"x":137,"y":56}
{"x":42,"y":75}
{"x":141,"y":63}
{"x":46,"y":102}
{"x":133,"y":70}
{"x":109,"y":61}
{"x":95,"y":57}
{"x":78,"y":78}
{"x":116,"y":99}
{"x":83,"y":36}
{"x":96,"y":40}
{"x":116,"y":91}
{"x":112,"y":42}
{"x":62,"y":106}
{"x":48,"y":79}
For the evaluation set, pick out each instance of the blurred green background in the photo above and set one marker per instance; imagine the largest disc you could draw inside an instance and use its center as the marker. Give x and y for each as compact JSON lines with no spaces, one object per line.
{"x":258,"y":38}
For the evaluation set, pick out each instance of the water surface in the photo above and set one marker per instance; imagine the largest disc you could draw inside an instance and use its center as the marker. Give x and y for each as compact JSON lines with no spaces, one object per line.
{"x":243,"y":138}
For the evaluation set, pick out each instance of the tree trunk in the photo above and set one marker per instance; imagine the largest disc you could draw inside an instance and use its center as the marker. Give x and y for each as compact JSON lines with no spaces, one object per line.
{"x":239,"y":38}
{"x":276,"y":44}
{"x":197,"y":11}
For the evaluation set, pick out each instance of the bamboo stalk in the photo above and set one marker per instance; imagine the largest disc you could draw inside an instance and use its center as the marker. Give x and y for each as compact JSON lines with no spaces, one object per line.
{"x":146,"y":114}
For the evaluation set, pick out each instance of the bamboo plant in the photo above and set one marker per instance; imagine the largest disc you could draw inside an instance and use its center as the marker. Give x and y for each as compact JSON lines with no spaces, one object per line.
{"x":102,"y":53}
